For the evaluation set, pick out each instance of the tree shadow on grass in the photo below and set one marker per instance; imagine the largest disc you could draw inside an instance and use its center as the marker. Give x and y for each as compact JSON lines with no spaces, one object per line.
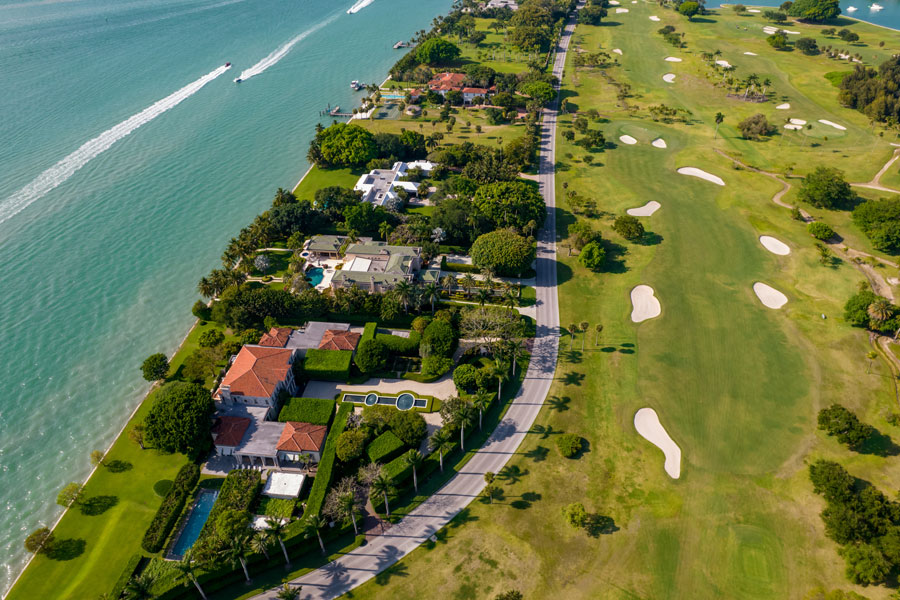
{"x":571,"y":356}
{"x":598,"y":525}
{"x":539,"y":454}
{"x":615,"y":257}
{"x":563,"y":272}
{"x":397,"y":570}
{"x":118,"y":466}
{"x":511,"y":474}
{"x":464,"y":516}
{"x":572,"y":378}
{"x":650,"y":238}
{"x":97,"y":505}
{"x":545,"y":431}
{"x":525,"y":500}
{"x":559,"y":404}
{"x":879,"y":444}
{"x":66,"y":549}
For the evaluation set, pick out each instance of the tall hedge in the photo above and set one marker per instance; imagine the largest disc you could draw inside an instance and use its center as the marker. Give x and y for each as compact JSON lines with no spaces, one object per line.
{"x":401,"y":346}
{"x":170,"y":509}
{"x":369,"y":332}
{"x":385,"y":447}
{"x":327,"y":365}
{"x":317,"y":411}
{"x":238,"y":492}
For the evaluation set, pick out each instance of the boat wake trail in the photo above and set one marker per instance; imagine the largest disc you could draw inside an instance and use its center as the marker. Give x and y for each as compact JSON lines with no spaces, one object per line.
{"x":61,"y":171}
{"x":282,"y":51}
{"x":360,"y":4}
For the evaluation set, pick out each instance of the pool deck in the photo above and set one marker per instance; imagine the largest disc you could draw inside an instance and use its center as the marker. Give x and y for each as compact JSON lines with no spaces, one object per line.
{"x":443,"y":388}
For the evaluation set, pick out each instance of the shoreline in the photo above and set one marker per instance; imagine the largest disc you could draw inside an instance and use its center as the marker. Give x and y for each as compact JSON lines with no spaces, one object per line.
{"x":842,"y":15}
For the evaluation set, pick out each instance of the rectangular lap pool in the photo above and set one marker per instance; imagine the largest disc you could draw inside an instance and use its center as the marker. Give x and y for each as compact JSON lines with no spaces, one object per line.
{"x":195,"y":521}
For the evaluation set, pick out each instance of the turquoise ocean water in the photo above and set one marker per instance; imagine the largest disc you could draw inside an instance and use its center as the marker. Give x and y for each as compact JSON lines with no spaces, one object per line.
{"x":102,"y":243}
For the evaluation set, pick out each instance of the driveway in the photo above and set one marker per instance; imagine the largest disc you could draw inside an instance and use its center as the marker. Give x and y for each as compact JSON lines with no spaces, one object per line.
{"x":356,"y":567}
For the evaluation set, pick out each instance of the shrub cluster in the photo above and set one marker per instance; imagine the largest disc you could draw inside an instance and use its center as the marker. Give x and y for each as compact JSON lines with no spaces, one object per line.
{"x":369,"y":332}
{"x":458,"y":267}
{"x":880,"y":221}
{"x":327,"y":365}
{"x":317,"y":411}
{"x":401,"y":346}
{"x":170,"y":509}
{"x":820,"y":231}
{"x":237,"y":493}
{"x":569,"y":444}
{"x":385,"y":447}
{"x":845,"y":425}
{"x":325,"y":469}
{"x":860,"y":518}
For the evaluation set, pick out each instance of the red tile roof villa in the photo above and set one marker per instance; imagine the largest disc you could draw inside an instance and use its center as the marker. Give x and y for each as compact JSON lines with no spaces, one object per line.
{"x":276,"y":338}
{"x":257,"y":371}
{"x":229,"y":431}
{"x":302,"y":437}
{"x":336,"y":339}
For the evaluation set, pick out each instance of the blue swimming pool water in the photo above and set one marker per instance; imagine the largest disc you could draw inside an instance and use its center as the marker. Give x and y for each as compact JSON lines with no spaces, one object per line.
{"x":195,"y":522}
{"x":316,"y":275}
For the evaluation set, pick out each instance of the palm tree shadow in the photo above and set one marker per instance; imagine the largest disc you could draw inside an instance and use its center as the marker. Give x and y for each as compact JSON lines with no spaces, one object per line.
{"x":525,"y":500}
{"x":559,"y":404}
{"x":464,"y":516}
{"x":511,"y":474}
{"x":573,"y":378}
{"x":399,"y":569}
{"x":539,"y":454}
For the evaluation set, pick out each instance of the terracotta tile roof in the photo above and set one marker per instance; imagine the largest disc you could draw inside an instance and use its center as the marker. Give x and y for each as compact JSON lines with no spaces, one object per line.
{"x":474,"y":90}
{"x":336,"y":339}
{"x":302,"y":437}
{"x":257,"y":371}
{"x":447,"y":81}
{"x":229,"y":431}
{"x":277,"y":337}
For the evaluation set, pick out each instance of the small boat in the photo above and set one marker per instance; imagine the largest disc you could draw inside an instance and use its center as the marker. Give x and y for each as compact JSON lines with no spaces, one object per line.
{"x":876,"y":7}
{"x":851,"y":9}
{"x":237,"y":80}
{"x":355,"y":85}
{"x":228,"y":65}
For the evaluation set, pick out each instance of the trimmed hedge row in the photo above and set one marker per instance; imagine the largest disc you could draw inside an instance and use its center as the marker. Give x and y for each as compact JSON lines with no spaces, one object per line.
{"x":402,"y":346}
{"x":317,"y":411}
{"x":238,"y":492}
{"x":398,"y":470}
{"x":127,"y":573}
{"x":170,"y":509}
{"x":324,"y":471}
{"x":369,"y":332}
{"x":327,"y":365}
{"x":458,"y":267}
{"x":385,"y":447}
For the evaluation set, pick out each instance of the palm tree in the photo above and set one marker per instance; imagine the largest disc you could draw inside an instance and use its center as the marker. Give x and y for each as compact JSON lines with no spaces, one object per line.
{"x":517,"y":351}
{"x":463,"y":417}
{"x":481,"y":401}
{"x":306,"y":460}
{"x":384,"y":486}
{"x":440,"y":443}
{"x":432,"y":292}
{"x":880,"y":310}
{"x":500,"y":372}
{"x":206,"y":287}
{"x":185,"y":570}
{"x":766,"y":83}
{"x":313,"y":524}
{"x":719,"y":118}
{"x":573,"y":329}
{"x":235,"y":550}
{"x":275,"y":528}
{"x":584,"y":328}
{"x":347,"y":504}
{"x":431,"y":142}
{"x":414,"y":459}
{"x":448,"y":282}
{"x":260,"y":543}
{"x":487,"y":279}
{"x":469,"y":282}
{"x":286,"y":592}
{"x":385,"y":230}
{"x":483,"y":295}
{"x":404,"y":291}
{"x":599,"y":329}
{"x":138,"y":588}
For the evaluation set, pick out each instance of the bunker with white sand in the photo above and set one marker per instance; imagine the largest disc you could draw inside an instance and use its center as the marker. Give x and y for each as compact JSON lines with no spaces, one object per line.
{"x":774,"y":245}
{"x":659,"y":143}
{"x":647,"y":424}
{"x":645,"y":210}
{"x":619,"y":11}
{"x":673,"y":59}
{"x":769,"y":296}
{"x":644,"y":304}
{"x":627,"y":139}
{"x":654,"y":18}
{"x":617,"y":51}
{"x":783,"y":106}
{"x":695,"y":172}
{"x":750,"y":53}
{"x":669,"y":77}
{"x":832,"y":124}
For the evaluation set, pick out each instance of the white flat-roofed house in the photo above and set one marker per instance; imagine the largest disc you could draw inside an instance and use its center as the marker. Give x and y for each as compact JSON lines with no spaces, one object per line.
{"x":380,"y":186}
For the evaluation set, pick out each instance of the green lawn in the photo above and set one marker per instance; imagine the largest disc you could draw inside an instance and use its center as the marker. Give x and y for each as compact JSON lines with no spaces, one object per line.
{"x":426,"y":125}
{"x":278,"y":264}
{"x":318,"y":178}
{"x":736,"y":385}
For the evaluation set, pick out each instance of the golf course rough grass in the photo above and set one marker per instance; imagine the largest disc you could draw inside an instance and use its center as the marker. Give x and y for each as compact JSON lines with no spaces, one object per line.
{"x":739,"y":385}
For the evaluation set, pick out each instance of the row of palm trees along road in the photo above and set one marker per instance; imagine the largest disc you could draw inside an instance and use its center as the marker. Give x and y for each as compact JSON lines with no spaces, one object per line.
{"x":356,"y":567}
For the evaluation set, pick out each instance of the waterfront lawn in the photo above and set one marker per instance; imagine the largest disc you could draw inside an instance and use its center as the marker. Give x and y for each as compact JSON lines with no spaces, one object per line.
{"x":278,"y":264}
{"x":491,"y":135}
{"x":494,"y":52}
{"x":318,"y":178}
{"x":736,"y":385}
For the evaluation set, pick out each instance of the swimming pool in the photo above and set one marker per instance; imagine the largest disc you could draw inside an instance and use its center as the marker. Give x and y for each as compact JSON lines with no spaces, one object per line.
{"x":316,"y":275}
{"x":195,"y":521}
{"x":405,"y":401}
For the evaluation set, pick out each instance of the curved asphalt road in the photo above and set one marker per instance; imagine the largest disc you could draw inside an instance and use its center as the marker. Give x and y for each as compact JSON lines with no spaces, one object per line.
{"x":360,"y":565}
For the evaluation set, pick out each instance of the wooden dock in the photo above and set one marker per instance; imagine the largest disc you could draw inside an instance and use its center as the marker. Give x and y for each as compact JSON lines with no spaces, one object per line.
{"x":334,"y":112}
{"x":401,"y":44}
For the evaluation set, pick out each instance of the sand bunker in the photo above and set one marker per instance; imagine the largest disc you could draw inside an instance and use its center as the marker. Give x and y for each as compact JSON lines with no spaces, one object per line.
{"x":695,"y":172}
{"x":669,"y":77}
{"x":769,"y":296}
{"x":723,"y":63}
{"x":644,"y":304}
{"x":832,"y":124}
{"x":753,"y":10}
{"x":750,"y":53}
{"x":798,"y":121}
{"x":654,"y":18}
{"x":784,"y":106}
{"x":659,"y":143}
{"x":647,"y":424}
{"x":627,"y":139}
{"x":613,"y":2}
{"x":621,"y":10}
{"x":673,"y":59}
{"x":768,"y":29}
{"x":645,"y":210}
{"x":794,"y":127}
{"x":617,"y":51}
{"x":773,"y":245}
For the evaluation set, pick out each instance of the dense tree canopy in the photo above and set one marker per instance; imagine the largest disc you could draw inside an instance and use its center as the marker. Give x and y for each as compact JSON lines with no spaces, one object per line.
{"x":880,"y":221}
{"x":541,"y":91}
{"x":689,"y":9}
{"x":179,"y":419}
{"x":510,"y":203}
{"x":371,"y":356}
{"x":504,"y":251}
{"x":875,"y":93}
{"x":842,"y":423}
{"x":592,"y":256}
{"x":628,"y":227}
{"x":436,"y":51}
{"x":825,"y":187}
{"x":155,"y":367}
{"x":343,"y":145}
{"x":814,"y":10}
